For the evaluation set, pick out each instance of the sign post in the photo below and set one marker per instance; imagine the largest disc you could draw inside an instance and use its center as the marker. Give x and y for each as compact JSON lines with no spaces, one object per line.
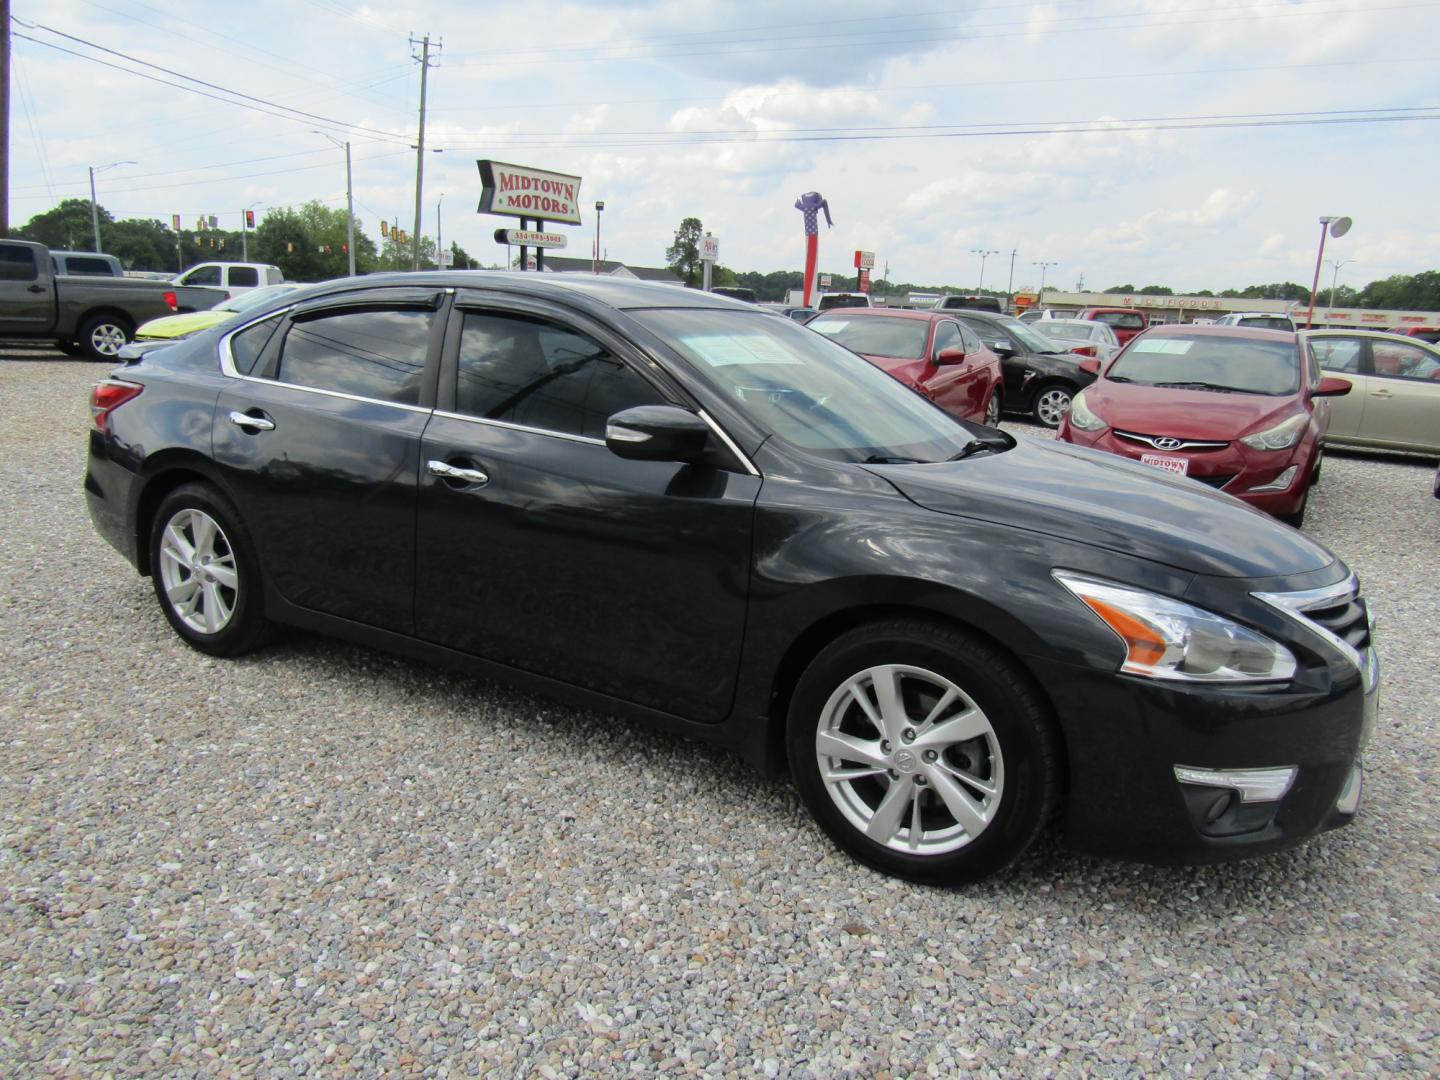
{"x":709,"y":253}
{"x":864,"y":263}
{"x":526,"y":193}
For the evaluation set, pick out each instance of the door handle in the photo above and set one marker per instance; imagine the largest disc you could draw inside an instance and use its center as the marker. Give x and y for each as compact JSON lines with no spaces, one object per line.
{"x":251,"y":423}
{"x":452,"y":472}
{"x":35,"y":288}
{"x":1381,"y":393}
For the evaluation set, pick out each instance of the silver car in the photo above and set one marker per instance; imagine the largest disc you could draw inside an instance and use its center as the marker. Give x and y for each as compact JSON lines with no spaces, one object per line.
{"x":1395,"y":403}
{"x":1076,"y":334}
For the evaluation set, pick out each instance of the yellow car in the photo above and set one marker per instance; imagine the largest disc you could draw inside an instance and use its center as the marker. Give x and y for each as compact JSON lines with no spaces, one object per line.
{"x":173,"y":327}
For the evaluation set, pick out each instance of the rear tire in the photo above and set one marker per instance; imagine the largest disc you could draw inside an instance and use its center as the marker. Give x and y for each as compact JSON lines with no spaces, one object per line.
{"x":205,"y":573}
{"x":922,"y":751}
{"x":1297,"y":519}
{"x":993,"y":409}
{"x":103,"y":336}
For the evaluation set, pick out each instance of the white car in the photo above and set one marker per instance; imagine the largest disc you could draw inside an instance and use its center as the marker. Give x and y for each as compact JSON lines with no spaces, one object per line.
{"x":1083,"y":336}
{"x":1260,"y":320}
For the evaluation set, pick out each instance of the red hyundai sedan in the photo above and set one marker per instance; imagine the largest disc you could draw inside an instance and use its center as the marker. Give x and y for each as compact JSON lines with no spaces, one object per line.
{"x":1238,"y":409}
{"x":928,"y":351}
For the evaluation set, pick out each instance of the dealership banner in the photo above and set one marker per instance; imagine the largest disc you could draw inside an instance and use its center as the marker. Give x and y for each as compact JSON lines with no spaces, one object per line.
{"x":524,"y":192}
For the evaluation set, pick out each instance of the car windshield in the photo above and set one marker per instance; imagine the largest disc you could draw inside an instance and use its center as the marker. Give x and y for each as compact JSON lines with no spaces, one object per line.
{"x":1242,"y":365}
{"x":1068,"y":331}
{"x":877,"y":335}
{"x":807,"y":390}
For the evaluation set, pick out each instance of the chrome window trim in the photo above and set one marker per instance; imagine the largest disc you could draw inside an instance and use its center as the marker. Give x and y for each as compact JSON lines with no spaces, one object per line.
{"x":507,"y":425}
{"x":227,"y":358}
{"x":730,"y":445}
{"x":334,"y":394}
{"x":1295,"y":604}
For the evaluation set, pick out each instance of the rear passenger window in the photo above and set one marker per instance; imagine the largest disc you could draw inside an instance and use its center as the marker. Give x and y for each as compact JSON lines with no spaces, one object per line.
{"x":97,"y":267}
{"x":542,"y":375}
{"x":244,"y":276}
{"x":16,"y":264}
{"x":374,"y":353}
{"x":248,"y":344}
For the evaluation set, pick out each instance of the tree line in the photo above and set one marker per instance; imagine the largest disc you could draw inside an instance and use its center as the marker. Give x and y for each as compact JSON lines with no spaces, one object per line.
{"x":307,"y":243}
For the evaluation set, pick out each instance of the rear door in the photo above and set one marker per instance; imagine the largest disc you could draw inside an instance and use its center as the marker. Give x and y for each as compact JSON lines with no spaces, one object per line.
{"x":320,"y":444}
{"x":540,"y":549}
{"x":1402,"y":407}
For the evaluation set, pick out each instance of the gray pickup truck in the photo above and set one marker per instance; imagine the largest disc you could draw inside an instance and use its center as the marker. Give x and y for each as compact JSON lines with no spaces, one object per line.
{"x":85,"y":315}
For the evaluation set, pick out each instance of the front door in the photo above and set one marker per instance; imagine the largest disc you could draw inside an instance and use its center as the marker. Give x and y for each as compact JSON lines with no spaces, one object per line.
{"x":540,"y":549}
{"x":27,"y":291}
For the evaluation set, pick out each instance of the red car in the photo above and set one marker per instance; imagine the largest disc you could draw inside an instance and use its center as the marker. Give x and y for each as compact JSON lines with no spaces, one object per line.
{"x":1238,"y":409}
{"x":928,"y":351}
{"x":1126,"y":322}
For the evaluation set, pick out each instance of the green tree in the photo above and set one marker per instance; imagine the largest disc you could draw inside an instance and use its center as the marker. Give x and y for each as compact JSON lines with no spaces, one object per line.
{"x":460,"y":258}
{"x":1120,"y":288}
{"x":66,"y":227}
{"x":1407,"y":292}
{"x":683,"y":256}
{"x":1157,"y":290}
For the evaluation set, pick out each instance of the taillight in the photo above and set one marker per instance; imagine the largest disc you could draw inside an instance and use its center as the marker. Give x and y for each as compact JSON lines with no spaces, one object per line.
{"x":108,"y":396}
{"x":1084,"y":350}
{"x":172,"y":300}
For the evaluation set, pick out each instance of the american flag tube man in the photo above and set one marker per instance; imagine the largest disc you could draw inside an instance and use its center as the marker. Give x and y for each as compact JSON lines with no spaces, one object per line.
{"x":810,"y":204}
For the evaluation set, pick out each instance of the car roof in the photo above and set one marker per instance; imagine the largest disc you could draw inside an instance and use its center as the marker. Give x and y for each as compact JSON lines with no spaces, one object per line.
{"x":1251,"y":333}
{"x":613,"y":292}
{"x":1382,"y":335}
{"x":894,"y":313}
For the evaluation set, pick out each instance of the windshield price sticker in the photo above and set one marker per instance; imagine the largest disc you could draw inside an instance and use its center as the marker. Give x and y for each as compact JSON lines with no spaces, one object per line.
{"x":722,"y":350}
{"x":1178,"y":465}
{"x":1169,"y":346}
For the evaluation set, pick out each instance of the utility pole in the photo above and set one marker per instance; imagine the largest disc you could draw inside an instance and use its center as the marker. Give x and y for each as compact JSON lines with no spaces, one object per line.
{"x":984,"y":254}
{"x":439,"y":237}
{"x":424,"y":59}
{"x":5,"y":118}
{"x":1010,"y":285}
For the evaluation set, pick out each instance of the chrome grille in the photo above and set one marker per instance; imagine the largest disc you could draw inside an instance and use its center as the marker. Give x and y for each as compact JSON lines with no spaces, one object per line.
{"x":1336,"y":612}
{"x":1154,"y":441}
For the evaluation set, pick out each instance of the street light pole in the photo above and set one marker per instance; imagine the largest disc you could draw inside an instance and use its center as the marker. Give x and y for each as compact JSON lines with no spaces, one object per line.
{"x":1336,"y":227}
{"x":1010,"y":285}
{"x":1335,"y":277}
{"x":1040,"y":296}
{"x":599,"y":207}
{"x":439,"y":242}
{"x":984,"y":254}
{"x":349,"y":199}
{"x":94,"y":210}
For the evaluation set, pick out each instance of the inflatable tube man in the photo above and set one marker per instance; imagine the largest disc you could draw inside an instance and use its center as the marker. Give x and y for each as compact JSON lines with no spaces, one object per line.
{"x":810,"y":204}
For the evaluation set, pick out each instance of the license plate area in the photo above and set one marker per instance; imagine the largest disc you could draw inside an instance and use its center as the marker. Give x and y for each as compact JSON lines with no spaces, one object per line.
{"x":1178,"y":465}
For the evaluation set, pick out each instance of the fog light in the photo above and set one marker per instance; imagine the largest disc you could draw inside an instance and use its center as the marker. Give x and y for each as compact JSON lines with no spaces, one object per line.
{"x":1252,"y":785}
{"x":1281,"y":482}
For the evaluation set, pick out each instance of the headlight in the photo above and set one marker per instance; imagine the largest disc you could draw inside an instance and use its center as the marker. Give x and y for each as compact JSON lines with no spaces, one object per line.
{"x":1280,"y":437}
{"x":1081,"y":416}
{"x":1167,"y":639}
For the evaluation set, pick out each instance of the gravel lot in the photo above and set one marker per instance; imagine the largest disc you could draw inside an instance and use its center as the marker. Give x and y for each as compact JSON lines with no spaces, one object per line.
{"x":326,"y":860}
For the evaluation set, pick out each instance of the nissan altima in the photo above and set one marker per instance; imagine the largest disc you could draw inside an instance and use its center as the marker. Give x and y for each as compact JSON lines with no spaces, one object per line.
{"x":674,"y":507}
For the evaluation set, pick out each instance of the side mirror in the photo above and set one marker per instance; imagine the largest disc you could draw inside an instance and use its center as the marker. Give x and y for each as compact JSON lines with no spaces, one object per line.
{"x":1002,"y":348}
{"x":1090,"y":366}
{"x":656,"y":433}
{"x":950,"y":356}
{"x":1332,"y":388}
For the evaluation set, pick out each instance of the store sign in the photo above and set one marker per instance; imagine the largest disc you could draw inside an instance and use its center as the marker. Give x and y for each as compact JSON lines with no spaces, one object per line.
{"x":1189,"y":303}
{"x":709,"y":249}
{"x":524,"y":192}
{"x":865,"y":260}
{"x":530,"y":238}
{"x":824,"y":281}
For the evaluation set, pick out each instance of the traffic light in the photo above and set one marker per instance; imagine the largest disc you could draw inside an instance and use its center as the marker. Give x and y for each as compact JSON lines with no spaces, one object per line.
{"x":384,"y":230}
{"x":249,"y":219}
{"x":289,"y":247}
{"x":222,"y":243}
{"x":344,"y":249}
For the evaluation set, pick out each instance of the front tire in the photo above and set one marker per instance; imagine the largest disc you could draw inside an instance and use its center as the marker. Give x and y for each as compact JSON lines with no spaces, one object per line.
{"x":1052,"y":403}
{"x":923,"y":752}
{"x":205,"y":573}
{"x":103,"y":336}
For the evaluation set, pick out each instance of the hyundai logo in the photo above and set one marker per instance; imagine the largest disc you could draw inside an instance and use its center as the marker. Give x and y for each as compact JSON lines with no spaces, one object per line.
{"x":1165,"y":442}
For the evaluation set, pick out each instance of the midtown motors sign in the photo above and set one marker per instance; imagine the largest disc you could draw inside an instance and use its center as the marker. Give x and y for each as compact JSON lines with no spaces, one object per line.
{"x":528,"y":193}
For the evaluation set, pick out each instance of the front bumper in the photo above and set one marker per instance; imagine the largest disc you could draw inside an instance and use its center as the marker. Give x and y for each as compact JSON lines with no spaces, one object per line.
{"x":1234,"y":469}
{"x":1127,"y":737}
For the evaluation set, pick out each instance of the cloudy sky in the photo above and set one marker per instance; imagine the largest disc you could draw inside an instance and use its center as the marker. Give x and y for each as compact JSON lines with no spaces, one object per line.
{"x":1191,"y":143}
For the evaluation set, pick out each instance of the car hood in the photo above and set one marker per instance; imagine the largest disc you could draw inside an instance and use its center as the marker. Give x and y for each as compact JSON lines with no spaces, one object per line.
{"x":1106,"y":501}
{"x":174,"y":326}
{"x":1183,"y":414}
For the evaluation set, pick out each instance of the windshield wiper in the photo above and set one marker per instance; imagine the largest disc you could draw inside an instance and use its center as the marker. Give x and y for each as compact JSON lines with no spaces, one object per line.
{"x":1200,"y":386}
{"x":1121,"y":378}
{"x":881,"y":459}
{"x":974,"y":446}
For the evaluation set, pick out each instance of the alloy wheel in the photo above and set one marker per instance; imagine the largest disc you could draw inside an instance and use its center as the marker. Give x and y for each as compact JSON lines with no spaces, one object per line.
{"x":1052,"y":405}
{"x":909,"y":759}
{"x":107,"y":339}
{"x":197,"y":571}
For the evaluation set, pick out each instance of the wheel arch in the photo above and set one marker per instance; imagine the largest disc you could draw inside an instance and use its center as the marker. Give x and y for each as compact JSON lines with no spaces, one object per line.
{"x":105,"y":311}
{"x":969,"y":615}
{"x":166,"y":472}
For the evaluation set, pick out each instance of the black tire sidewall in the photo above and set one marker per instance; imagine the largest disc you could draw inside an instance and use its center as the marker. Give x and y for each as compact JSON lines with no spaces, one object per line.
{"x":1016,"y":714}
{"x":247,"y":624}
{"x":87,"y":332}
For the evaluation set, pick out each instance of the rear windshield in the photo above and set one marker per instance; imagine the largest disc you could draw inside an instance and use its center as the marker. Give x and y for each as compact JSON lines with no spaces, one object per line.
{"x":1210,"y":363}
{"x":1069,"y":331}
{"x":878,"y":335}
{"x":1123,"y":319}
{"x":1266,"y":322}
